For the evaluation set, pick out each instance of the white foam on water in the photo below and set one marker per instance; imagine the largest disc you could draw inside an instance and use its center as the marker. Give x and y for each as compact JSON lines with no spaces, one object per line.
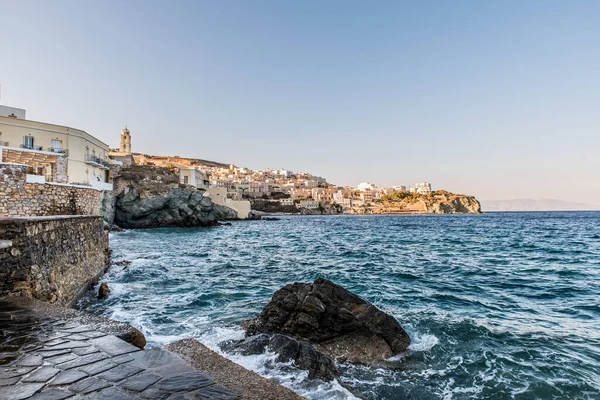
{"x":266,"y":365}
{"x":423,"y":342}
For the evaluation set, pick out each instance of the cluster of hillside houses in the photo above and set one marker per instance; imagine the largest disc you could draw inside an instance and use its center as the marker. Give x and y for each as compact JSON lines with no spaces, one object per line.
{"x":59,"y":154}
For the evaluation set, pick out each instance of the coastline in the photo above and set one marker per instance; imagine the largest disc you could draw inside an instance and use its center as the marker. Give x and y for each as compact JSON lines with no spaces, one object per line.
{"x":64,"y":351}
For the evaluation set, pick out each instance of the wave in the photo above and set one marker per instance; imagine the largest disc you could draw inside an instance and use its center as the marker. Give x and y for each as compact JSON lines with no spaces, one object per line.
{"x":423,"y":342}
{"x":283,"y":373}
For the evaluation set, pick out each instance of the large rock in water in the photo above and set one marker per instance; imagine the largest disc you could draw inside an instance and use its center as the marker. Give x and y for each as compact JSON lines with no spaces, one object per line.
{"x":304,"y":355}
{"x":152,"y":197}
{"x":336,"y":321}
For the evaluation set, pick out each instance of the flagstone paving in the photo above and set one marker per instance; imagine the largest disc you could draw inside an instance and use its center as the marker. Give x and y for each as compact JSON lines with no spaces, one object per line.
{"x":46,"y":358}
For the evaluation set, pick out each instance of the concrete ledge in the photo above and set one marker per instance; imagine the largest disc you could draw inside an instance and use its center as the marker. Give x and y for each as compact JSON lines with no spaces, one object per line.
{"x":229,"y":374}
{"x":119,"y":329}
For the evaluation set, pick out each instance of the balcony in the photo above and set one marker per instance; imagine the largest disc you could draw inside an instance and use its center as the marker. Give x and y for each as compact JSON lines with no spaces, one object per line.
{"x":97,"y":161}
{"x":64,"y":152}
{"x":31,"y":147}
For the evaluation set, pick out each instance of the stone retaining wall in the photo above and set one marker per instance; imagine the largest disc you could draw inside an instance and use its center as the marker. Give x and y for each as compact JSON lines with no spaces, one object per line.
{"x":53,"y":259}
{"x":19,"y":198}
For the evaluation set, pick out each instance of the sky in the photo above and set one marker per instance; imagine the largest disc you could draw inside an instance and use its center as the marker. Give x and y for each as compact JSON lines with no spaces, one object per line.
{"x":498,"y":99}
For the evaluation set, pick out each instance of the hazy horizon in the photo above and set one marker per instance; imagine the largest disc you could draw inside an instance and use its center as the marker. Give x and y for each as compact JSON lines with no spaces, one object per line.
{"x":498,"y":100}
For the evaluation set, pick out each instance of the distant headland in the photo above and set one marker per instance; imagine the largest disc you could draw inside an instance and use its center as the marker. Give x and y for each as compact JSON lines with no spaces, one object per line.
{"x":283,"y":191}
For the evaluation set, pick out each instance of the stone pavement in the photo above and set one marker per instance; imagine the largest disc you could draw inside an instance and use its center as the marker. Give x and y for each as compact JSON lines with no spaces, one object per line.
{"x":49,"y":358}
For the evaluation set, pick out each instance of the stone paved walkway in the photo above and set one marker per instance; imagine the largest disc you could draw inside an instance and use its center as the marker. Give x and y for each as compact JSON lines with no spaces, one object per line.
{"x":51,"y":359}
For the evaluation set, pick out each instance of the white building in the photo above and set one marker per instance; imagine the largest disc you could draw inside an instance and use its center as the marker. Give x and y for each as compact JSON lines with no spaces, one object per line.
{"x":338,"y":197}
{"x":55,"y":153}
{"x":423,"y":188}
{"x":309,"y":204}
{"x":285,"y":172}
{"x":194,"y":177}
{"x":287,"y":202}
{"x":365,"y":186}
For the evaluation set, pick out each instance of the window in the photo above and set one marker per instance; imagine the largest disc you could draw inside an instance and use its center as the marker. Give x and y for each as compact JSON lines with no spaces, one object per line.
{"x":28,"y":142}
{"x":185,"y":180}
{"x":56,"y":145}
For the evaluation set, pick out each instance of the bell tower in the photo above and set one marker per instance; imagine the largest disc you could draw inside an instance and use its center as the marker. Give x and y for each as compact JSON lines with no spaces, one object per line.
{"x":125,"y":141}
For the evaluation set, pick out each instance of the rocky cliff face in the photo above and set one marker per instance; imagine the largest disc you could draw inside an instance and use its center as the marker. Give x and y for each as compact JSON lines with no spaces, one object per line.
{"x":448,"y":203}
{"x":151,"y":197}
{"x":439,"y":202}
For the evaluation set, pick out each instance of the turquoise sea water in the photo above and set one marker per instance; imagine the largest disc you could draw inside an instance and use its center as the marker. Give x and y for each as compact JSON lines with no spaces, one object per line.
{"x":499,"y":306}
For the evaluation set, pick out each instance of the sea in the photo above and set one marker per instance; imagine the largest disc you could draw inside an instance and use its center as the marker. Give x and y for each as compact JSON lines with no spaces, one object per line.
{"x":498,"y":305}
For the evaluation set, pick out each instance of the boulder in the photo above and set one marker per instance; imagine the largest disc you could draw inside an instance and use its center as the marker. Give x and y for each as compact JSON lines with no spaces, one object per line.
{"x":123,"y":263}
{"x":338,"y":322}
{"x":103,"y":291}
{"x":303,"y":354}
{"x":152,"y":197}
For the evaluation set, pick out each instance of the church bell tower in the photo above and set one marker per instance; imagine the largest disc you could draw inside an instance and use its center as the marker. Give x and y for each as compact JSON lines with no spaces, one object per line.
{"x":125,"y":141}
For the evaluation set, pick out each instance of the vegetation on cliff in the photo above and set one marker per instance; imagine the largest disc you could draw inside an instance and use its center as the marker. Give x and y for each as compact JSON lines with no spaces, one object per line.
{"x":437,"y":202}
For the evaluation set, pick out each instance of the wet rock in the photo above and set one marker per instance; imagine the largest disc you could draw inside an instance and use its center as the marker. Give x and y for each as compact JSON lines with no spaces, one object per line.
{"x":68,"y":377}
{"x":151,"y":197}
{"x":123,"y":263}
{"x":22,"y":391}
{"x":186,"y":382}
{"x":103,"y":291}
{"x":303,"y":354}
{"x":336,"y":321}
{"x":34,"y":360}
{"x":112,"y":227}
{"x":43,"y":374}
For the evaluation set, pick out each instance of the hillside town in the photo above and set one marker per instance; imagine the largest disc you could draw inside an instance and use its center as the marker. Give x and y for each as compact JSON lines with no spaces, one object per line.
{"x":64,"y":158}
{"x":279,"y":190}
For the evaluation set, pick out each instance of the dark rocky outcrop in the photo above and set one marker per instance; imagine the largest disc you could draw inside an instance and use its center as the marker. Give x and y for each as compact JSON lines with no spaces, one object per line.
{"x":123,"y":263}
{"x":103,"y":291}
{"x":304,"y":355}
{"x":151,"y":197}
{"x":336,"y":321}
{"x":112,"y":227}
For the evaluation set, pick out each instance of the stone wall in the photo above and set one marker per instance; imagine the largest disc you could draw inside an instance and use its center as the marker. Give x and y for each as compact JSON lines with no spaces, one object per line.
{"x":53,"y":259}
{"x":18,"y":198}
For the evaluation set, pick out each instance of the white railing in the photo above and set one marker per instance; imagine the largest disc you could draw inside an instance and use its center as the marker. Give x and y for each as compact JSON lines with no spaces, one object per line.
{"x":101,"y":185}
{"x":29,"y":178}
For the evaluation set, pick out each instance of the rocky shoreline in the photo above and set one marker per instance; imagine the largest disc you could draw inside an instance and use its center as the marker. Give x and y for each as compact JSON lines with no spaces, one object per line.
{"x":317,"y":325}
{"x":310,"y":325}
{"x":313,"y":326}
{"x":152,"y":197}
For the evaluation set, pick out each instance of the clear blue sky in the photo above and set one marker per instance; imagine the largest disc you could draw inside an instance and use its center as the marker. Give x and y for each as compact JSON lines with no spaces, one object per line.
{"x":500,"y":99}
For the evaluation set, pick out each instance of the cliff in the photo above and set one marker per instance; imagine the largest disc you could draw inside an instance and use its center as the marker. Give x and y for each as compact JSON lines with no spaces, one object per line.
{"x":438,"y":202}
{"x":442,"y":202}
{"x":152,"y":197}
